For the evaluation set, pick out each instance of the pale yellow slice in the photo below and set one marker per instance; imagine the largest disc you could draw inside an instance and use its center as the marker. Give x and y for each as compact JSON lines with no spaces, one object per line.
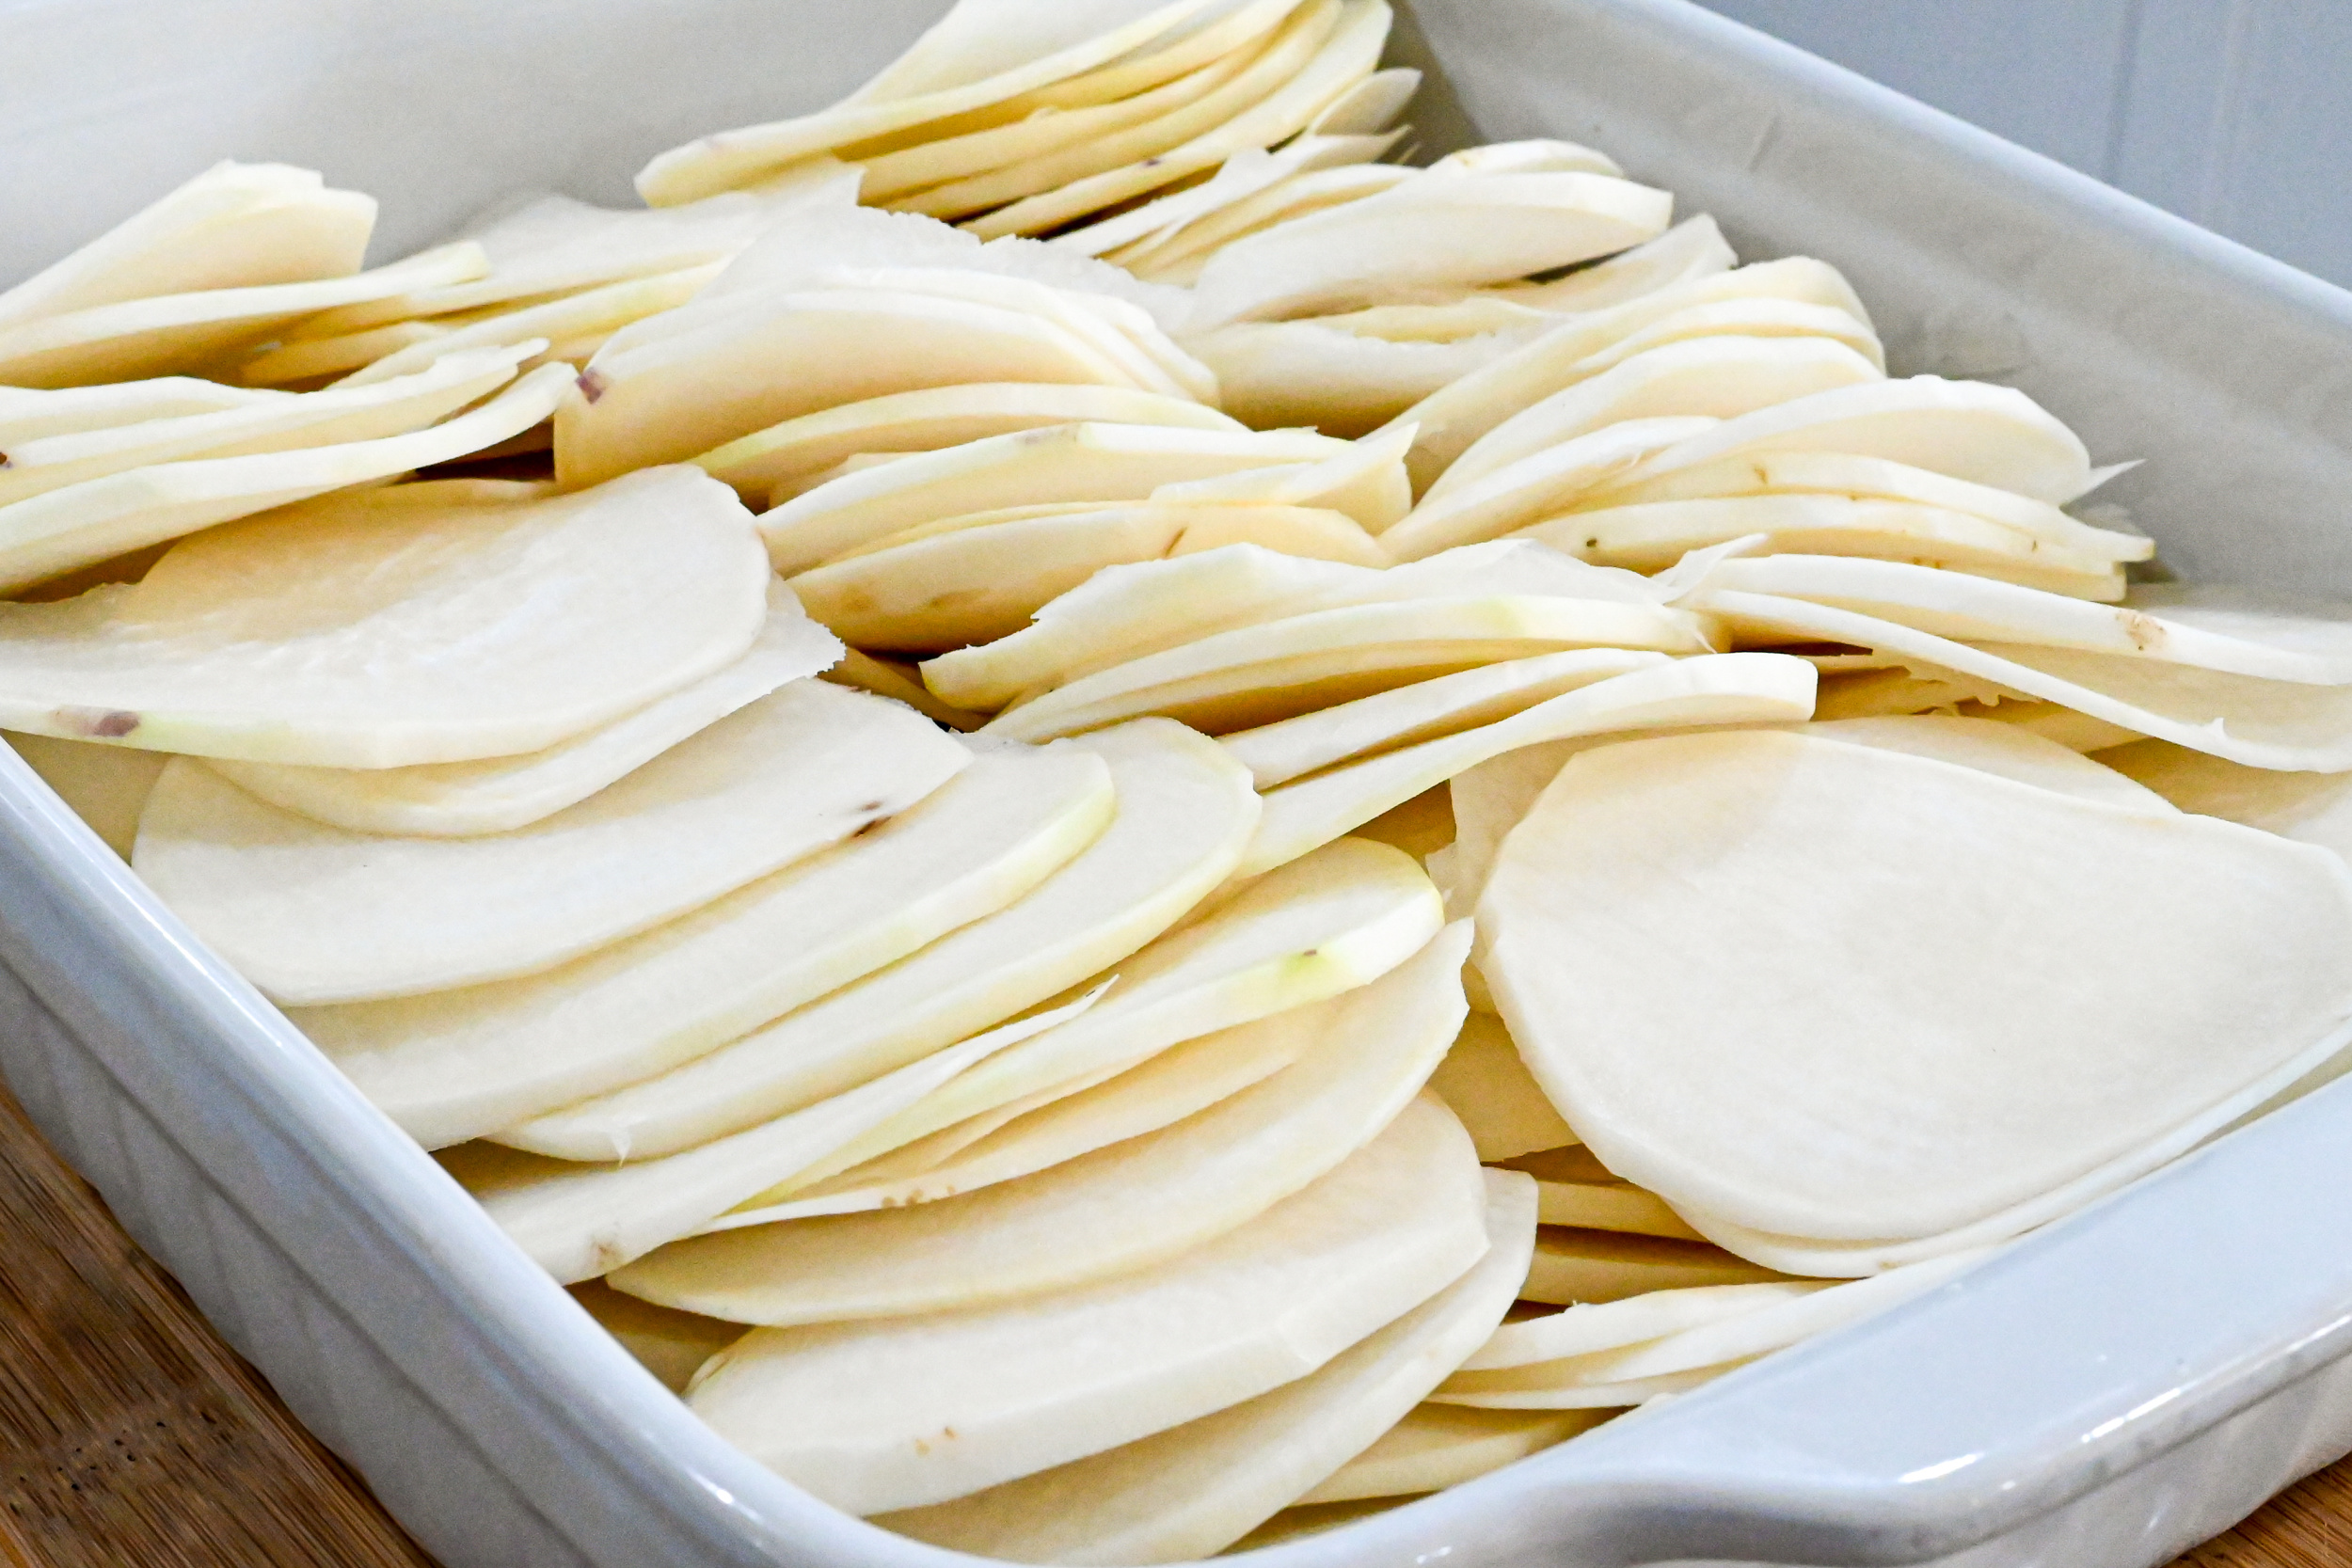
{"x":965,"y":581}
{"x":581,"y":1221}
{"x":1184,"y":812}
{"x":1195,"y":1489}
{"x":459,"y":800}
{"x":932,"y":418}
{"x":1438,"y":1446}
{"x":2219,"y":953}
{"x":1113,"y":1210}
{"x":837,"y":1408}
{"x":1483,"y":1082}
{"x":458,"y":1064}
{"x":322,"y":634}
{"x":1084,"y":462}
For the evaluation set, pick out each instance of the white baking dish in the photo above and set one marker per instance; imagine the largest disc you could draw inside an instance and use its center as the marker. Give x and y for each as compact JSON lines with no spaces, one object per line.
{"x":2103,"y":1394}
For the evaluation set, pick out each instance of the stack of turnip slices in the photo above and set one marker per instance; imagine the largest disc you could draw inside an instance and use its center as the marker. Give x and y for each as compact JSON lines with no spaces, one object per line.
{"x":1141,"y":833}
{"x":556,"y":269}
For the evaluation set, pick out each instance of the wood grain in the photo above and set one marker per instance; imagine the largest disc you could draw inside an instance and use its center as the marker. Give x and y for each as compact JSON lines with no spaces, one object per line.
{"x":130,"y":1434}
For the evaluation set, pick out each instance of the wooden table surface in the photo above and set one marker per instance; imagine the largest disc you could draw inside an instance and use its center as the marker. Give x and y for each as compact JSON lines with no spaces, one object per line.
{"x":131,"y":1436}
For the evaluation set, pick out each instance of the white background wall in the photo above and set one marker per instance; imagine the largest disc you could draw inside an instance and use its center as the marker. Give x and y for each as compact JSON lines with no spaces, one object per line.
{"x":2235,"y":113}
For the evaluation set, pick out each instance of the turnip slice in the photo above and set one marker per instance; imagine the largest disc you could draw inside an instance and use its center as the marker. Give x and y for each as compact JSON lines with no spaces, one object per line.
{"x":458,"y":1064}
{"x":1619,"y":1205}
{"x":671,"y":1345}
{"x":314,"y":914}
{"x":234,"y":226}
{"x":1994,"y":437}
{"x":839,"y":1408}
{"x":901,"y":683}
{"x":932,"y":418}
{"x":1193,"y":1490}
{"x":1474,"y":314}
{"x":1455,"y":418}
{"x":320,"y":635}
{"x":313,"y":359}
{"x":1574,"y":1266}
{"x":1717,"y":689}
{"x":591,"y":313}
{"x":2208,"y":628}
{"x":1834,"y":473}
{"x":284,"y":423}
{"x":1132,"y":130}
{"x":996,"y":1146}
{"x":2290,"y":726}
{"x":170,"y":334}
{"x":1372,"y":251}
{"x":578,"y":1220}
{"x":1126,"y":612}
{"x":1563,"y":413}
{"x":554,"y":245}
{"x":915,"y":94}
{"x":1117,"y":1210}
{"x":1353,"y":128}
{"x":1691,"y":249}
{"x":1438,"y":1446}
{"x":1277,"y":753}
{"x":1258,"y":674}
{"x":1084,"y":462}
{"x":1482,"y":1081}
{"x":1332,"y":922}
{"x":1716,"y":378}
{"x":1039,"y":144}
{"x":106,"y":786}
{"x":1349,"y":52}
{"x":966,"y":581}
{"x":1182,"y":256}
{"x":35,"y":414}
{"x":458,"y":799}
{"x":2145,"y":980}
{"x":48,"y":535}
{"x":771,"y":355}
{"x":1184,"y":812}
{"x":1308,"y":372}
{"x":1596,"y":1327}
{"x":1652,"y":536}
{"x":2312,"y":808}
{"x":1712,"y":1343}
{"x":1367,"y":481}
{"x":2005,"y":750}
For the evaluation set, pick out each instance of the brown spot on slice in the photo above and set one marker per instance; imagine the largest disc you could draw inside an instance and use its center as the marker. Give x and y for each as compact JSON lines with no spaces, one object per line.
{"x":96,"y":723}
{"x":592,"y":385}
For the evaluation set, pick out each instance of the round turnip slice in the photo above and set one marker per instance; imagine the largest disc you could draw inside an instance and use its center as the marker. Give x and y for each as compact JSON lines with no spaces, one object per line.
{"x":321,"y":635}
{"x":581,"y":1221}
{"x":313,"y":913}
{"x":1483,"y":1082}
{"x":1110,"y":1211}
{"x":934,"y":418}
{"x":1755,"y":1076}
{"x":459,"y":1064}
{"x":1712,"y":377}
{"x":458,"y":799}
{"x":1258,"y":674}
{"x":1438,"y":1446}
{"x":1016,"y":1139}
{"x":1194,"y":1490}
{"x":1085,"y":462}
{"x":45,"y":535}
{"x":1182,"y":813}
{"x":1712,"y":688}
{"x":962,"y":582}
{"x":1455,"y":418}
{"x":903,"y":1412}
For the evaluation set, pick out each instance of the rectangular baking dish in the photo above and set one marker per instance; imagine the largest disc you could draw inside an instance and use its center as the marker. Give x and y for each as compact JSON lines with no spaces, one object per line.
{"x":2100,"y":1395}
